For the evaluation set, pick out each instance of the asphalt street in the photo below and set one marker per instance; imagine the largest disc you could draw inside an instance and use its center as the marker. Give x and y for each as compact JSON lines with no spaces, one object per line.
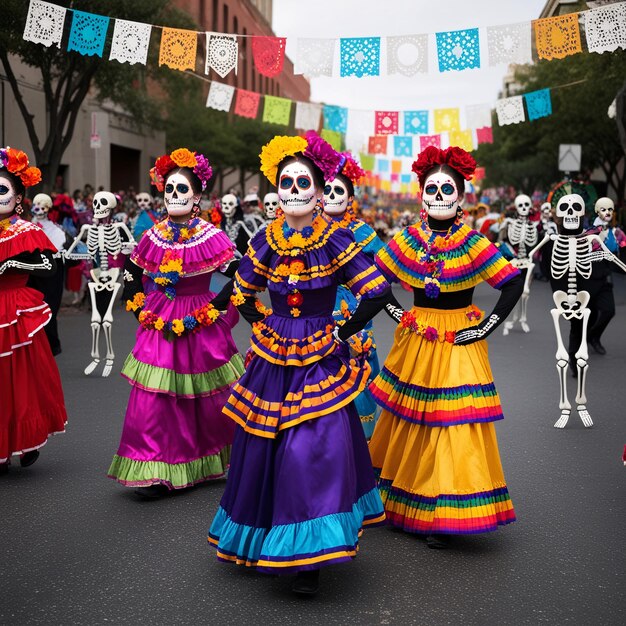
{"x":78,"y":548}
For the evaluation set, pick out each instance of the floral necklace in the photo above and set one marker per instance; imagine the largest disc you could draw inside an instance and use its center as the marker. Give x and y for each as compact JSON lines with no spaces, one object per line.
{"x":434,"y":258}
{"x":180,"y":233}
{"x":287,"y":241}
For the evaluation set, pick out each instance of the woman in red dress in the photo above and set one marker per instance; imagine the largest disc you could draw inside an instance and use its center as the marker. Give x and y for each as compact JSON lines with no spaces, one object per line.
{"x":31,"y":397}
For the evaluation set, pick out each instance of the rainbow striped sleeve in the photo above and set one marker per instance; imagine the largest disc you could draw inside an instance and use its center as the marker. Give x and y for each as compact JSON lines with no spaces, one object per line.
{"x":362,"y":277}
{"x":488,"y":262}
{"x":397,"y":260}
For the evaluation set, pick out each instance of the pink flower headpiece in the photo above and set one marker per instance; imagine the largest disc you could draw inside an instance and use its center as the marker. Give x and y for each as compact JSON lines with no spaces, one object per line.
{"x":456,"y":158}
{"x":323,"y":155}
{"x":181,"y":157}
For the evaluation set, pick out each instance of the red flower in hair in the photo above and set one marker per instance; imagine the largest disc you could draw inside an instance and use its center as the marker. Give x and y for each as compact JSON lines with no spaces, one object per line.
{"x":164,"y":164}
{"x":351,"y":169}
{"x":18,"y":160}
{"x":456,"y":158}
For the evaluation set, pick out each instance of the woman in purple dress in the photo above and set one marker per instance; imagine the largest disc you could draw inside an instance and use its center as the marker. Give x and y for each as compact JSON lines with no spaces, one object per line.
{"x":301,"y":485}
{"x":184,"y":361}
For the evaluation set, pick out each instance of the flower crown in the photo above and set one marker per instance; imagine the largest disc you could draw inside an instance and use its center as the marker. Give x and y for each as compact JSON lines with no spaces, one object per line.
{"x":351,"y":169}
{"x":312,"y":146}
{"x":16,"y":162}
{"x":456,"y":158}
{"x":181,"y":157}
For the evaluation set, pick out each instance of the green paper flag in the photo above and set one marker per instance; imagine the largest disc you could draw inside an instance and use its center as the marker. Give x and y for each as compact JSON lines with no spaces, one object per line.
{"x":367,"y":161}
{"x":333,"y":137}
{"x":277,"y":110}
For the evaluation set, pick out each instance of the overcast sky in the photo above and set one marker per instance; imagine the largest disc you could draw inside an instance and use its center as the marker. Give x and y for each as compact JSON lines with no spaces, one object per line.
{"x":361,"y":18}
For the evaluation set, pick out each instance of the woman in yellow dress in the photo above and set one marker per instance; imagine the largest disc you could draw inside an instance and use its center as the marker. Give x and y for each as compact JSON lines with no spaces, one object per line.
{"x":434,"y":447}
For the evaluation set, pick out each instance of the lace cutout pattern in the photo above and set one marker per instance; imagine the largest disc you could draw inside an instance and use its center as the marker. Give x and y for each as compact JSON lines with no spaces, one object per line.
{"x":377,"y":144}
{"x":44,"y":23}
{"x":222,"y":53}
{"x":360,"y":56}
{"x":336,"y":118}
{"x":605,"y":28}
{"x":220,"y":96}
{"x":538,"y":104}
{"x":308,"y":115}
{"x":247,"y":103}
{"x":407,"y":55}
{"x":416,"y":122}
{"x":462,"y":139}
{"x":178,"y":49}
{"x":276,"y":110}
{"x":386,"y":123}
{"x":508,"y":44}
{"x":558,"y":37}
{"x":447,"y":119}
{"x":484,"y":135}
{"x":429,"y":140}
{"x":478,"y":115}
{"x":315,"y":57}
{"x":88,"y":33}
{"x":510,"y":110}
{"x":458,"y":50}
{"x":403,"y":146}
{"x":130,"y":42}
{"x":269,"y":55}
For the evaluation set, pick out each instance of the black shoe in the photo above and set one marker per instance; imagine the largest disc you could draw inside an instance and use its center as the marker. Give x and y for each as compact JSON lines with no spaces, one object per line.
{"x":4,"y":468}
{"x":598,"y":348}
{"x":437,"y":542}
{"x":306,"y":583}
{"x":28,"y":458}
{"x":152,"y":492}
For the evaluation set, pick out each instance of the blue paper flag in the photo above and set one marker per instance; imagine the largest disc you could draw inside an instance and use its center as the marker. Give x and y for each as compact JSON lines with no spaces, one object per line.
{"x":538,"y":104}
{"x":88,"y":33}
{"x":360,"y":56}
{"x":402,"y":146}
{"x":383,"y":165}
{"x":416,"y":122}
{"x":458,"y":50}
{"x":405,"y":178}
{"x":336,"y":118}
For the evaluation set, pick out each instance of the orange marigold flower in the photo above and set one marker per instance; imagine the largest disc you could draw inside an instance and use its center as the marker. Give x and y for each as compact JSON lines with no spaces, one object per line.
{"x":30,"y":176}
{"x":184,"y":158}
{"x":18,"y":161}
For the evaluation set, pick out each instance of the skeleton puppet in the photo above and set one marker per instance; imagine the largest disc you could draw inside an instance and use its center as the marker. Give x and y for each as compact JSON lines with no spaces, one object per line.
{"x":234,"y":224}
{"x":270,"y":206}
{"x":103,"y":238}
{"x":521,"y":234}
{"x":570,"y":268}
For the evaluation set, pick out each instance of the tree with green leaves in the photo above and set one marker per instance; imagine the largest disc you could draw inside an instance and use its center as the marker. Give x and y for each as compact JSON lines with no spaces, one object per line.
{"x":583,"y":86}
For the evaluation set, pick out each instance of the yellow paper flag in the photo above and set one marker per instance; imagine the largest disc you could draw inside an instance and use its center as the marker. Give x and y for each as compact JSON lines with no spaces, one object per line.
{"x":462,"y":138}
{"x":447,"y":119}
{"x":385,"y":185}
{"x":178,"y":49}
{"x":557,"y":37}
{"x":396,"y":166}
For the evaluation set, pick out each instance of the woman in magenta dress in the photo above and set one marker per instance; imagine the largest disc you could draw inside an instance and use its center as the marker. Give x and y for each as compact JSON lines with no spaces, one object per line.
{"x":31,"y":399}
{"x":184,"y":359}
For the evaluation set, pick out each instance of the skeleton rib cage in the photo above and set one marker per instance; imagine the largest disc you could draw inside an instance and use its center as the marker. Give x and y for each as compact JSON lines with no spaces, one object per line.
{"x":522,"y":233}
{"x":103,"y":240}
{"x":571,"y":255}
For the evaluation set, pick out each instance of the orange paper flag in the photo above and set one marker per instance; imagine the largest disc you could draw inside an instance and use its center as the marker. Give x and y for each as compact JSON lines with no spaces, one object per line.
{"x":396,"y":167}
{"x":557,"y":37}
{"x":178,"y":49}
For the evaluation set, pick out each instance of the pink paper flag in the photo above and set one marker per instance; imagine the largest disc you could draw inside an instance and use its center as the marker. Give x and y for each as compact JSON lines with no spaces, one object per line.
{"x":386,"y":123}
{"x":484,"y":135}
{"x":430,"y":140}
{"x":247,"y":103}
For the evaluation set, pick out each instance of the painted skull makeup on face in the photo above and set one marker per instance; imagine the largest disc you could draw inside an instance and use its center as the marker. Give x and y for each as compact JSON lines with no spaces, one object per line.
{"x":8,"y":197}
{"x":296,"y":189}
{"x":144,"y":201}
{"x":270,"y":205}
{"x":440,"y":196}
{"x":604,"y":209}
{"x":522,"y":205}
{"x":229,"y":204}
{"x":179,"y":196}
{"x":336,"y":197}
{"x":42,"y":203}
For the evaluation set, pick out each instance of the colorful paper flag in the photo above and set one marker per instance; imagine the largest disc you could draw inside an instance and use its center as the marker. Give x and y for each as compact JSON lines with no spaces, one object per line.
{"x":247,"y":103}
{"x":377,"y":144}
{"x":510,"y":110}
{"x":447,"y":119}
{"x":88,"y":33}
{"x":360,"y":56}
{"x":462,"y":139}
{"x":178,"y":49}
{"x":367,"y":161}
{"x":333,"y":138}
{"x":538,"y":104}
{"x":277,"y":110}
{"x":429,"y":140}
{"x":405,"y":178}
{"x":220,"y":96}
{"x":484,"y":135}
{"x":458,"y":50}
{"x":315,"y":57}
{"x":396,"y":166}
{"x":44,"y":23}
{"x":605,"y":28}
{"x":407,"y":54}
{"x":416,"y":122}
{"x":130,"y":42}
{"x":336,"y":118}
{"x":557,"y":37}
{"x":222,"y":53}
{"x":510,"y":44}
{"x":269,"y":55}
{"x":308,"y":115}
{"x":403,"y":146}
{"x":383,"y":165}
{"x":386,"y":123}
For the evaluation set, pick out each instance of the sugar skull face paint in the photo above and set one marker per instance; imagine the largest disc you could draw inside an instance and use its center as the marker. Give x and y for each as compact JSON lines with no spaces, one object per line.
{"x":440,"y":196}
{"x":8,"y":198}
{"x":296,"y":189}
{"x":336,"y":197}
{"x":179,"y":196}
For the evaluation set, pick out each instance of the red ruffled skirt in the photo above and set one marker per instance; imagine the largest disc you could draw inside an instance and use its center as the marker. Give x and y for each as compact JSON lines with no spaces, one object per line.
{"x":31,"y":396}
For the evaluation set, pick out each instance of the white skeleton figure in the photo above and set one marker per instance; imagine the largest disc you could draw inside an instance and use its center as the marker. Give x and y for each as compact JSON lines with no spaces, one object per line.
{"x":103,"y":238}
{"x":270,"y":205}
{"x":571,"y":256}
{"x":521,"y":232}
{"x":546,"y":219}
{"x":42,"y":203}
{"x":234,"y":226}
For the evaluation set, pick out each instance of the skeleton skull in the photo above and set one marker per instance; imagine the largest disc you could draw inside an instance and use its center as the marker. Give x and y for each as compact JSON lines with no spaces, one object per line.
{"x":604,"y":209}
{"x":571,"y":210}
{"x":144,"y":201}
{"x":8,"y":198}
{"x":42,"y":203}
{"x":440,"y":196}
{"x":229,"y":204}
{"x":336,"y":197}
{"x":546,"y":210}
{"x":296,"y":189}
{"x":523,"y":205}
{"x":270,"y":204}
{"x":179,"y":196}
{"x":103,"y":203}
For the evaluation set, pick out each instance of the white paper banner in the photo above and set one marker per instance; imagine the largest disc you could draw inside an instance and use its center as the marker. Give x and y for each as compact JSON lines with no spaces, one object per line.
{"x":605,"y":28}
{"x":477,"y":116}
{"x":222,"y":53}
{"x":315,"y":57}
{"x":44,"y":23}
{"x":508,"y":44}
{"x":407,"y":54}
{"x":308,"y":115}
{"x":510,"y":110}
{"x":130,"y":42}
{"x":220,"y":96}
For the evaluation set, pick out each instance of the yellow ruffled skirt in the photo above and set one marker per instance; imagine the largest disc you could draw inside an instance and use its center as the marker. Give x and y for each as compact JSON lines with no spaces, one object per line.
{"x":434,"y":447}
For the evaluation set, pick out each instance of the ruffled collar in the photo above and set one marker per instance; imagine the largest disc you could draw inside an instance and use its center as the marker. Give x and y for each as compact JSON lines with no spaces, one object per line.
{"x":286,"y":241}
